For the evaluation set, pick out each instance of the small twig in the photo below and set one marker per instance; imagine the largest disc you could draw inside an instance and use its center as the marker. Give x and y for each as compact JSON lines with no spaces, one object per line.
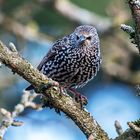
{"x":135,"y":10}
{"x":130,"y":31}
{"x":118,"y":127}
{"x":17,"y":123}
{"x":12,"y":47}
{"x":7,"y":121}
{"x":134,"y":127}
{"x":8,"y":117}
{"x":137,"y":87}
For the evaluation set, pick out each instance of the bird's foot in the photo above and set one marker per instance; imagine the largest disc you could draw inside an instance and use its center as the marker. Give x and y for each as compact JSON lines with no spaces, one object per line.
{"x":78,"y":97}
{"x":63,"y":90}
{"x":46,"y":85}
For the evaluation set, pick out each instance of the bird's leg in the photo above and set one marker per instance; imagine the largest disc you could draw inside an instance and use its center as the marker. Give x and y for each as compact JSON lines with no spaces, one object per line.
{"x":78,"y":97}
{"x":63,"y":90}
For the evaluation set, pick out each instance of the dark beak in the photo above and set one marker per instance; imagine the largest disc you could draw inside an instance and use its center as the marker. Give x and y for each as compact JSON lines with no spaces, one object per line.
{"x":82,"y":39}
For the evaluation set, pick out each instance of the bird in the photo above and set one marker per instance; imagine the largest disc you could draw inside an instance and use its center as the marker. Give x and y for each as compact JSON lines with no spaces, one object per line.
{"x":73,"y":60}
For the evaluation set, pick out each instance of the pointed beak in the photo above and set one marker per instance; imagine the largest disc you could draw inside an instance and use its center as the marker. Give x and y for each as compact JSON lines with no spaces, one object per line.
{"x":82,"y":39}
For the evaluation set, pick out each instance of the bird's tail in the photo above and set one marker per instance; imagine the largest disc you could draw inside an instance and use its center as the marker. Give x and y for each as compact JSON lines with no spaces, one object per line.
{"x":29,"y":88}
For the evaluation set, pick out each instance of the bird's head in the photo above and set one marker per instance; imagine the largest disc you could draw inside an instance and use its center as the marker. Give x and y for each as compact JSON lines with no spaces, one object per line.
{"x":86,"y":36}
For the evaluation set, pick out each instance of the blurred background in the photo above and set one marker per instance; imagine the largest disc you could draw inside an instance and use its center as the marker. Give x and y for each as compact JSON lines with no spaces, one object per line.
{"x":33,"y":25}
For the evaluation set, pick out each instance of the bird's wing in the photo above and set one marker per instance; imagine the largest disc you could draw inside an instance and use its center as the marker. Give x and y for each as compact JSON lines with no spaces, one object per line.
{"x":52,"y":52}
{"x":48,"y":57}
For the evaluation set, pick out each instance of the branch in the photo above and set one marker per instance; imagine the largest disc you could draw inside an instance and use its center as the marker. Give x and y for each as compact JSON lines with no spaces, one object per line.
{"x":135,"y":10}
{"x":65,"y":103}
{"x":134,"y":131}
{"x":129,"y":134}
{"x":8,"y":117}
{"x":134,"y":127}
{"x":118,"y":128}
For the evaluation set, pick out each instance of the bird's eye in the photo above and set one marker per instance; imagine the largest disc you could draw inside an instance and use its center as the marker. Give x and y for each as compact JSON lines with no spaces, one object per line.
{"x":89,"y":38}
{"x":77,"y":37}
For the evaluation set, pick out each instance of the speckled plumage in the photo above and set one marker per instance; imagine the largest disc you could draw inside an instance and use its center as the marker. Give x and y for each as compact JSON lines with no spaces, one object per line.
{"x":75,"y":59}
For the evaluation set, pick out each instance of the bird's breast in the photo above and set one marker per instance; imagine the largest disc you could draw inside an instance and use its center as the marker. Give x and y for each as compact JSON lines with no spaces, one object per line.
{"x":72,"y":67}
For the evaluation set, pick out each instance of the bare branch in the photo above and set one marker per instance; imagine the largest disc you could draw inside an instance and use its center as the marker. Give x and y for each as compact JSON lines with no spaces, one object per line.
{"x":12,"y":47}
{"x":134,"y":127}
{"x":127,"y":29}
{"x":8,"y":117}
{"x":118,"y":128}
{"x":137,"y":87}
{"x":135,"y":10}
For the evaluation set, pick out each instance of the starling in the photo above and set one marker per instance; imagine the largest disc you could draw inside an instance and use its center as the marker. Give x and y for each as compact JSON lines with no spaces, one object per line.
{"x":73,"y":60}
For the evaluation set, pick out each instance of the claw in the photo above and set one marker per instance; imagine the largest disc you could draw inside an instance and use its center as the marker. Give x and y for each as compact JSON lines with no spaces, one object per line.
{"x":46,"y":85}
{"x":78,"y":97}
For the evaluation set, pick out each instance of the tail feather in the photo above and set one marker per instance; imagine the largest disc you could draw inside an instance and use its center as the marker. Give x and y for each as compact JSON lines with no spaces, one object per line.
{"x":29,"y":88}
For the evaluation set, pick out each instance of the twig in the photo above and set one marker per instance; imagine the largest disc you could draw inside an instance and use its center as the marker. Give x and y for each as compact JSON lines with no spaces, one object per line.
{"x":8,"y":117}
{"x":128,"y":29}
{"x":137,"y":87}
{"x":12,"y":47}
{"x":134,"y":127}
{"x":118,"y":128}
{"x":135,"y":10}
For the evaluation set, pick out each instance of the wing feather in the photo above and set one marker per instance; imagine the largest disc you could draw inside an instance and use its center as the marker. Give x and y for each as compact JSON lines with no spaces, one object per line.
{"x":58,"y":45}
{"x":52,"y":52}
